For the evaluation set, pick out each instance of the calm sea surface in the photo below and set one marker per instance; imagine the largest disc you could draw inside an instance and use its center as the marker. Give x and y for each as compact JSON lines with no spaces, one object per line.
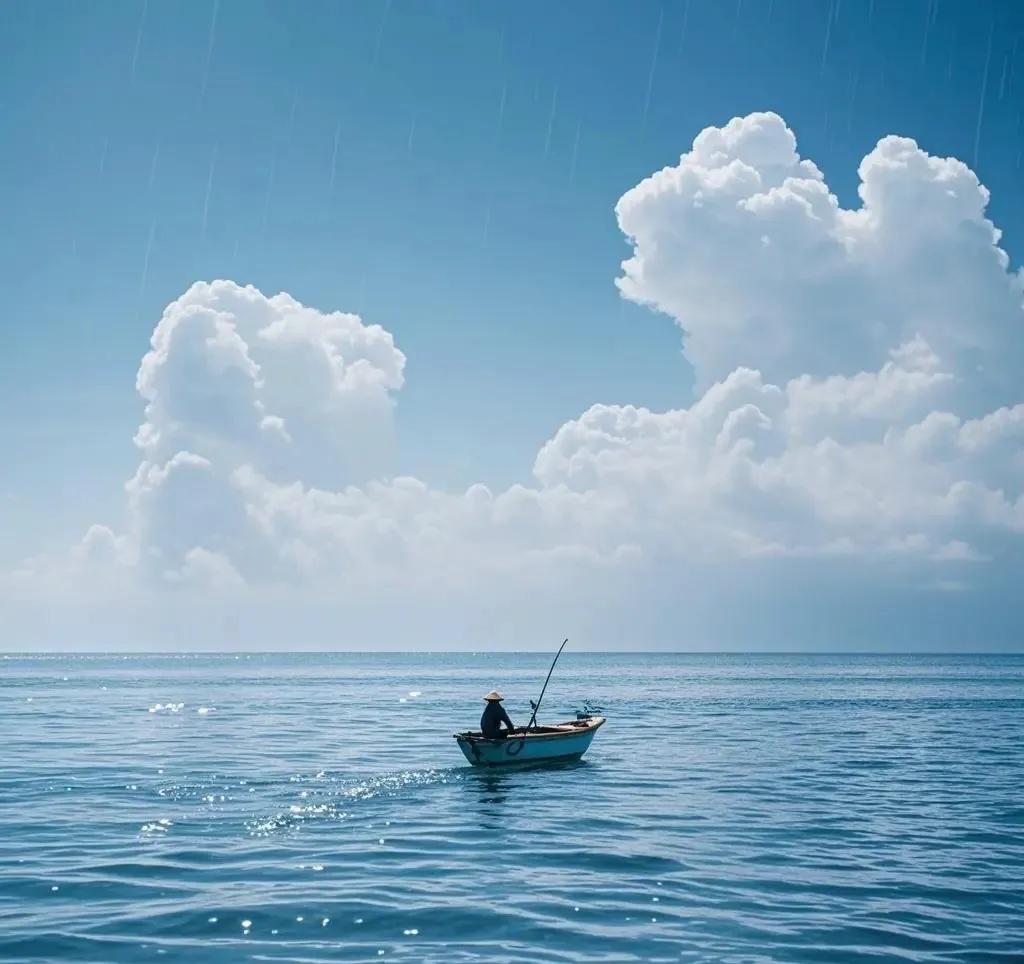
{"x":316,"y":808}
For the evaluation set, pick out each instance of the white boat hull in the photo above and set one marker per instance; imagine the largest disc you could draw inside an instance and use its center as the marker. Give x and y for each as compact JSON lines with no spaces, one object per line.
{"x":563,"y":741}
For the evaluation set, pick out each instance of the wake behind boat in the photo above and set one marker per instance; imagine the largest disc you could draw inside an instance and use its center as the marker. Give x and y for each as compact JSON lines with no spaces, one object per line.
{"x":548,"y":744}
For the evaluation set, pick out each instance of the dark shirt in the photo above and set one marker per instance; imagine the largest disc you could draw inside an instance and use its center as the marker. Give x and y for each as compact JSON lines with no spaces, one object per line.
{"x":490,"y":722}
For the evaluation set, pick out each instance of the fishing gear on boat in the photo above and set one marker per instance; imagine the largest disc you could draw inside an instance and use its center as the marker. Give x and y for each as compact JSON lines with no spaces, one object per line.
{"x":536,"y":706}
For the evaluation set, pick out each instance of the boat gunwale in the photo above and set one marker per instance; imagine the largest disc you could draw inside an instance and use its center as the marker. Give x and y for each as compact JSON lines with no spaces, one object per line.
{"x":593,"y":725}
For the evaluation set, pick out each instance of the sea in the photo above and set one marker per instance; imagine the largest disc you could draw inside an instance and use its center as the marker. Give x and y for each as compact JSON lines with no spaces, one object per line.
{"x":314,"y":807}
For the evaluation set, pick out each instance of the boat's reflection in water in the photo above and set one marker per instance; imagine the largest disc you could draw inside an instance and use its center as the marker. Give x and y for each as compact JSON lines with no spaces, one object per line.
{"x":494,"y":789}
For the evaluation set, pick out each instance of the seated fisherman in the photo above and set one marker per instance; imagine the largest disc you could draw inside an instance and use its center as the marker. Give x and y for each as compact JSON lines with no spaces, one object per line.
{"x":494,"y":716}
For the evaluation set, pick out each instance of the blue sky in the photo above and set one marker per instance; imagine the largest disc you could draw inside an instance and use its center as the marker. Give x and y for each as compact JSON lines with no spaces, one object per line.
{"x":447,"y":170}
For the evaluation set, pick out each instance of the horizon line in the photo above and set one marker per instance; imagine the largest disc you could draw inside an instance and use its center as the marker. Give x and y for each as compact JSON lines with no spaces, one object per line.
{"x":510,"y":652}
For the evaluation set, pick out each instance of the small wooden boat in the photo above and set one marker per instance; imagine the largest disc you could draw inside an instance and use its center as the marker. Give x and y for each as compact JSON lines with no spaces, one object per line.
{"x":540,"y":744}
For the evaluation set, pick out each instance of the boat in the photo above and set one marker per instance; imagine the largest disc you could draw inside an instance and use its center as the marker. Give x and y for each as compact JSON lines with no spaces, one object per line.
{"x":537,"y":744}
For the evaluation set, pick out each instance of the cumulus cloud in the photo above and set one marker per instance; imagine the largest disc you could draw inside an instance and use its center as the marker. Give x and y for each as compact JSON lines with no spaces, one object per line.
{"x":856,"y":406}
{"x":745,"y":246}
{"x":839,"y":465}
{"x":234,"y":380}
{"x":236,"y":376}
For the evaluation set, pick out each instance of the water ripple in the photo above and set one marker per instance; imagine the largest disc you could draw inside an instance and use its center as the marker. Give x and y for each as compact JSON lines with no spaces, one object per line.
{"x":736,"y":808}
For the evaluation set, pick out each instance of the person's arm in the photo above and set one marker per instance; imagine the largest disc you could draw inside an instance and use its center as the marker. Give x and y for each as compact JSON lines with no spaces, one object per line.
{"x":508,"y":722}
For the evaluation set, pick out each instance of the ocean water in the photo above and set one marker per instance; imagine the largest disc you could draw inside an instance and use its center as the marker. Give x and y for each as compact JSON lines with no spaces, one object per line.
{"x":315,"y":808}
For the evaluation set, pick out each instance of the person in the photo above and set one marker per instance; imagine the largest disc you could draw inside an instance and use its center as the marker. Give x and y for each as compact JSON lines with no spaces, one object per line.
{"x":494,"y":716}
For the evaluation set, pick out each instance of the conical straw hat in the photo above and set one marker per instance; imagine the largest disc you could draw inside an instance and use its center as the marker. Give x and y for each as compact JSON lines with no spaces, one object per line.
{"x":494,"y":695}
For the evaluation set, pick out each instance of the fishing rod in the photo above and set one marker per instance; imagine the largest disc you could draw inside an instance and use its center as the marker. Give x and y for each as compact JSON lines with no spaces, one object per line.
{"x":536,"y":706}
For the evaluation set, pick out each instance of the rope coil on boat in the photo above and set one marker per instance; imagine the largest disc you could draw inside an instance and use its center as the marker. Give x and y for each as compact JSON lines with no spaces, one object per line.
{"x":508,"y":747}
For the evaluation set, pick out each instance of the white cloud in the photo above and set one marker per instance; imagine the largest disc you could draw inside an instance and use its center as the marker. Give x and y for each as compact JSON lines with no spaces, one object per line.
{"x":743,"y":244}
{"x":236,"y":376}
{"x":236,"y":379}
{"x":206,"y":570}
{"x":816,"y":466}
{"x":854,"y":410}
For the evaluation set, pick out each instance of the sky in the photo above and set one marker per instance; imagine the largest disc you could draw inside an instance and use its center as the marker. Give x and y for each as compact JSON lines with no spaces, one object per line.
{"x":497,"y":380}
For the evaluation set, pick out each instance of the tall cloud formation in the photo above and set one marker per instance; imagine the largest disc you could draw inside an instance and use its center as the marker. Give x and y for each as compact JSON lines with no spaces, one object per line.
{"x":237,"y":383}
{"x":858,"y":407}
{"x":743,"y":244}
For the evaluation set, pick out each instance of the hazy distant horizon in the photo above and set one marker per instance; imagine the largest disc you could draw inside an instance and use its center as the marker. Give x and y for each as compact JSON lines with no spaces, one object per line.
{"x":967,"y":654}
